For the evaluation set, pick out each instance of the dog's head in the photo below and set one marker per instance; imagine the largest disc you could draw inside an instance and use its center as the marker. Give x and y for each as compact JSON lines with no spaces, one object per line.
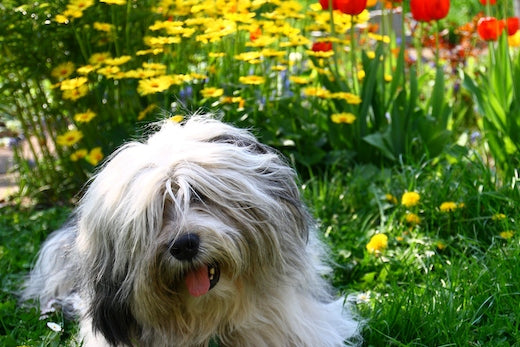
{"x":173,"y":231}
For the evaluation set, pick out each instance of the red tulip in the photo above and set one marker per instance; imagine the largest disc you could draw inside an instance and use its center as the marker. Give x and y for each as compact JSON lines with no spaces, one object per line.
{"x":352,"y":7}
{"x":489,"y":28}
{"x":491,"y":2}
{"x":428,"y":10}
{"x":512,"y":24}
{"x":325,"y":4}
{"x":322,"y":46}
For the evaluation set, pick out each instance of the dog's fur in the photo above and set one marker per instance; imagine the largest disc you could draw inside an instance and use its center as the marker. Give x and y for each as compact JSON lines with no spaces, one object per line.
{"x":113,"y":266}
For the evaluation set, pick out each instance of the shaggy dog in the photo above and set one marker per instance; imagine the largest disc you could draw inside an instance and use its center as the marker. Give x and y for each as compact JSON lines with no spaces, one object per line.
{"x":196,"y":235}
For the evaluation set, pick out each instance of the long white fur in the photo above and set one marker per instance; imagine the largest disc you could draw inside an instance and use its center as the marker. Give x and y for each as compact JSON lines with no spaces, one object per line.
{"x":111,"y":268}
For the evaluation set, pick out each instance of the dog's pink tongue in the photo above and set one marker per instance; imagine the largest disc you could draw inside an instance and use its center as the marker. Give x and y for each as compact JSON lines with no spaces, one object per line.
{"x":197,"y":281}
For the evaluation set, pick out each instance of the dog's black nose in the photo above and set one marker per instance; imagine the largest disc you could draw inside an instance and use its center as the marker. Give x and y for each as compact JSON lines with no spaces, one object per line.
{"x":185,"y":247}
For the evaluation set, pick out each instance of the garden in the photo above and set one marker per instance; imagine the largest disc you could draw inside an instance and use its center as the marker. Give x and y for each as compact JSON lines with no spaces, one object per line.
{"x":402,"y":119}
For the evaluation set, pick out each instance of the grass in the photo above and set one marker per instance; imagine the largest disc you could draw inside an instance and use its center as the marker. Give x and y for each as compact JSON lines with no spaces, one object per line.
{"x":451,"y":280}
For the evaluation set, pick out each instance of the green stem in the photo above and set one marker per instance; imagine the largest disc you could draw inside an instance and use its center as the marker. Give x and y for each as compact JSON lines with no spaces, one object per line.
{"x":353,"y":66}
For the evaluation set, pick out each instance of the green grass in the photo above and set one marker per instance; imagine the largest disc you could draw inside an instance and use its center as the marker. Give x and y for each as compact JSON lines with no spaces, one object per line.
{"x":413,"y":293}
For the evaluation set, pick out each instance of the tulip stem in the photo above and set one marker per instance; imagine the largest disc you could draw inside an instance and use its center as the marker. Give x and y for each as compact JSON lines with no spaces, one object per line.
{"x":334,"y":43}
{"x":353,"y":66}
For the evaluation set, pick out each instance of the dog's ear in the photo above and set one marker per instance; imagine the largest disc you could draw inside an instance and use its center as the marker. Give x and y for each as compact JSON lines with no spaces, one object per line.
{"x":111,"y":314}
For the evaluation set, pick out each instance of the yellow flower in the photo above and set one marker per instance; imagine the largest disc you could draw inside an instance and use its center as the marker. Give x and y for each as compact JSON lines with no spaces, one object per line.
{"x":498,"y":216}
{"x":95,"y":156}
{"x":69,"y":138}
{"x":85,"y":69}
{"x":350,"y":98}
{"x":79,"y":154}
{"x":73,"y":83}
{"x":377,"y":243}
{"x":217,"y":54}
{"x":318,"y":92}
{"x":361,"y":74}
{"x":252,"y":79}
{"x":448,"y":206}
{"x":118,"y":60}
{"x":114,"y":2}
{"x":106,"y":27}
{"x":344,"y":117}
{"x":391,"y":199}
{"x":514,"y":40}
{"x":75,"y":94}
{"x":388,"y":78}
{"x":154,"y":85}
{"x":507,"y":234}
{"x":98,"y":58}
{"x":61,"y":19}
{"x":177,"y":118}
{"x":63,"y":70}
{"x":320,"y":54}
{"x":412,"y":218}
{"x":146,"y":111}
{"x":410,"y":199}
{"x":81,"y":4}
{"x":299,"y":79}
{"x":212,"y":92}
{"x":440,"y":245}
{"x":84,"y":117}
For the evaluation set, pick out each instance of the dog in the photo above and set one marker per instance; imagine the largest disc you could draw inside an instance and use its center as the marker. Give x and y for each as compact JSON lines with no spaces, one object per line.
{"x":194,"y":236}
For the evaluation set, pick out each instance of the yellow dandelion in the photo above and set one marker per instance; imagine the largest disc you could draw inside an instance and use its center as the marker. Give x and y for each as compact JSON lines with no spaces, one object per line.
{"x":79,"y":154}
{"x":63,"y":70}
{"x":94,"y":156}
{"x":498,"y":216}
{"x":212,"y":92}
{"x":391,"y":199}
{"x":69,"y":138}
{"x":361,"y":75}
{"x":410,"y":199}
{"x":377,"y":244}
{"x":252,"y":79}
{"x":507,"y":234}
{"x":448,"y":206}
{"x":343,"y":118}
{"x":84,"y":117}
{"x":440,"y":245}
{"x":177,"y":118}
{"x":412,"y":218}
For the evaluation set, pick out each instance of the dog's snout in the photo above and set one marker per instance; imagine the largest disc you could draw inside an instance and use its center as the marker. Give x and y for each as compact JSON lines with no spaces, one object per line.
{"x":185,"y":247}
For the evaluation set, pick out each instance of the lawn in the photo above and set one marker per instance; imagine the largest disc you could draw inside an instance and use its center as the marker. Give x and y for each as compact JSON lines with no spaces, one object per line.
{"x":450,"y":276}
